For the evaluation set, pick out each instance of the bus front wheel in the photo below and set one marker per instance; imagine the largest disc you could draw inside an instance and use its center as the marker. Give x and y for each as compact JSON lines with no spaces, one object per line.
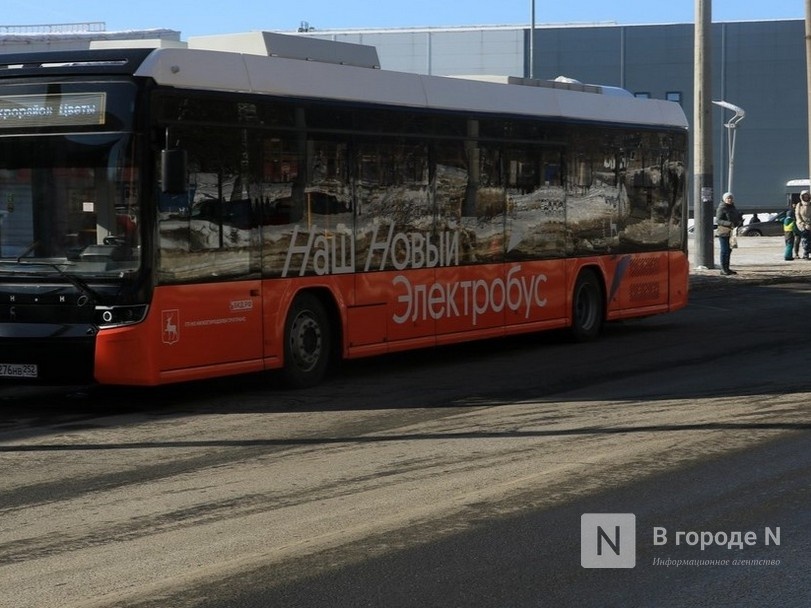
{"x":587,"y":307}
{"x":307,"y":342}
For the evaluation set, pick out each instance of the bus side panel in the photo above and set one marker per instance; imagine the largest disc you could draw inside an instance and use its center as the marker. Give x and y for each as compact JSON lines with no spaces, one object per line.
{"x":537,"y":292}
{"x":637,"y":284}
{"x":207,"y":325}
{"x":468,"y":298}
{"x":679,"y":280}
{"x":368,"y":319}
{"x":127,"y":355}
{"x":408,"y":309}
{"x":366,"y":326}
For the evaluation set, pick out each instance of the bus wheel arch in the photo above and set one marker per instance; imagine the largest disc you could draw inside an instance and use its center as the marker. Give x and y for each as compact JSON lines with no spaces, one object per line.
{"x":311,"y":333}
{"x":588,"y":306}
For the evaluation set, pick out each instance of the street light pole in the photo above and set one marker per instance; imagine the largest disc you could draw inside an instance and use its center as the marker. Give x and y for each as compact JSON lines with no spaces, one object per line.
{"x":808,"y":75}
{"x":532,"y":41}
{"x":731,"y":125}
{"x":702,"y":136}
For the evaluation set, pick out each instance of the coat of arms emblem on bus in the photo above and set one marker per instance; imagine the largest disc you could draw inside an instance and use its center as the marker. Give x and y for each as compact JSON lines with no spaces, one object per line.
{"x":170,"y":333}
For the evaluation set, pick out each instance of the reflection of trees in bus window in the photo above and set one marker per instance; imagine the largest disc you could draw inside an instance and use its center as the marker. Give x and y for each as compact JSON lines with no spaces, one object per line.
{"x":595,"y":200}
{"x":455,"y":186}
{"x":220,"y":212}
{"x":282,"y":169}
{"x":215,"y":237}
{"x":523,"y":170}
{"x":392,"y":164}
{"x":393,"y":179}
{"x":327,"y":196}
{"x":536,"y":207}
{"x":451,"y":180}
{"x":304,"y":188}
{"x":301,"y":177}
{"x":392,"y":191}
{"x":470,"y":196}
{"x":327,"y":164}
{"x":490,"y":205}
{"x":627,"y":193}
{"x":280,"y":162}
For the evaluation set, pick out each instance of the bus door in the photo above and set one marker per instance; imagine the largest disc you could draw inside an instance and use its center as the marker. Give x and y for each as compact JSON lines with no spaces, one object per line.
{"x":392,"y":291}
{"x":394,"y":244}
{"x":209,"y":301}
{"x":467,"y":242}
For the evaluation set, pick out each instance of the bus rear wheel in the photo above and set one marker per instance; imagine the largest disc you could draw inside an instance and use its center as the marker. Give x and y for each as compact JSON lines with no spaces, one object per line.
{"x":307,"y":342}
{"x":587,"y":307}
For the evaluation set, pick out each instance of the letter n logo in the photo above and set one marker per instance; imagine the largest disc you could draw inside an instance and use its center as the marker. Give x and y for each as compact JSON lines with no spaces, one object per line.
{"x":608,"y":540}
{"x":170,"y":320}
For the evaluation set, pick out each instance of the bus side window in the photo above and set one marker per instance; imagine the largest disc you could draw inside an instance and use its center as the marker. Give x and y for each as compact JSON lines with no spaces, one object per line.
{"x":218,"y":217}
{"x":174,"y":170}
{"x":391,"y":182}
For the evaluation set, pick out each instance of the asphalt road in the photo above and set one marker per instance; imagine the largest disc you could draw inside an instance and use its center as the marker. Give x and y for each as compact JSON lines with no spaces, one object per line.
{"x":533,"y":559}
{"x":455,"y":477}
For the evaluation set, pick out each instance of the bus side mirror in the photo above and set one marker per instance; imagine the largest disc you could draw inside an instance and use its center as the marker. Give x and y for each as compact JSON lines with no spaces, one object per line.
{"x":174,"y":168}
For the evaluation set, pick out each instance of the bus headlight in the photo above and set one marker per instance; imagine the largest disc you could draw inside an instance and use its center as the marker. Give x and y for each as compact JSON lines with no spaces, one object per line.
{"x":112,"y":316}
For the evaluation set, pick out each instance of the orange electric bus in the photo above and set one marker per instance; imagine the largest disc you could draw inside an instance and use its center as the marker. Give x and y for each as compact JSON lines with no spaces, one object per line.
{"x":177,"y":213}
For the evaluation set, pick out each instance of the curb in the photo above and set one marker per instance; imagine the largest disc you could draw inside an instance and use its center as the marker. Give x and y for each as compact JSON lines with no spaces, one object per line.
{"x":772,"y":275}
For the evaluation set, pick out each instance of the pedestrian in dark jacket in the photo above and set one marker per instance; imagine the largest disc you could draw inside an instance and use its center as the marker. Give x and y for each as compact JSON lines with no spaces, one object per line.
{"x":728,"y":219}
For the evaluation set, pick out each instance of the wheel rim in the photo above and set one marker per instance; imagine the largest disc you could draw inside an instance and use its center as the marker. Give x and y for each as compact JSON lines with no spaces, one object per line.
{"x":305,"y":341}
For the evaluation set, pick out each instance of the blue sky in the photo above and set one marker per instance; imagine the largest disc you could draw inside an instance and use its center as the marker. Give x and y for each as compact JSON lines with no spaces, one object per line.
{"x":201,"y":17}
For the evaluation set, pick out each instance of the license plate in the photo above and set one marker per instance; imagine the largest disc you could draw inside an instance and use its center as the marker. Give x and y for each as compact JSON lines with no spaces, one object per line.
{"x":18,"y":370}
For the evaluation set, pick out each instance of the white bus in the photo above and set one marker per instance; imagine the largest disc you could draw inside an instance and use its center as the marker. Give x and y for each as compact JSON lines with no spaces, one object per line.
{"x":178,"y":214}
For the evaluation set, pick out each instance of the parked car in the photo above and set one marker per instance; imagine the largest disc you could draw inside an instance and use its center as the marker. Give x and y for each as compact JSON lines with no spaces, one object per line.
{"x":773,"y":226}
{"x":691,"y":226}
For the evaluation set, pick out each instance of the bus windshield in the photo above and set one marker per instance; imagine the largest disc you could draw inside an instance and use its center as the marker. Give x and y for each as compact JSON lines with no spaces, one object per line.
{"x":68,"y":200}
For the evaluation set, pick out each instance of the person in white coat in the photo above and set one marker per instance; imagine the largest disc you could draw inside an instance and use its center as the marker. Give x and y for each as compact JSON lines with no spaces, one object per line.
{"x":803,"y":216}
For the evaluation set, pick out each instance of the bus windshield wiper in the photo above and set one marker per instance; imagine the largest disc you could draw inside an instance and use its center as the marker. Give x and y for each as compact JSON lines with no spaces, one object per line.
{"x":80,"y":284}
{"x":27,"y":250}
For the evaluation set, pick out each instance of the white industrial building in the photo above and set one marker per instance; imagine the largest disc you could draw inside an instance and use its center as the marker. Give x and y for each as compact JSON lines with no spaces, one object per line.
{"x":756,"y":65}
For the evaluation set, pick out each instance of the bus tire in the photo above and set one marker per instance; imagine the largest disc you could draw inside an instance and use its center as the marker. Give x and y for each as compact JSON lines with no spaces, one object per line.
{"x":587,"y":307}
{"x":307,"y":342}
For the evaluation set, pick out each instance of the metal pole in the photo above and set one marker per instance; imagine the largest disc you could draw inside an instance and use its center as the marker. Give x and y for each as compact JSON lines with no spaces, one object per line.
{"x":808,"y":74}
{"x":731,"y":146}
{"x":532,"y":41}
{"x":703,"y":197}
